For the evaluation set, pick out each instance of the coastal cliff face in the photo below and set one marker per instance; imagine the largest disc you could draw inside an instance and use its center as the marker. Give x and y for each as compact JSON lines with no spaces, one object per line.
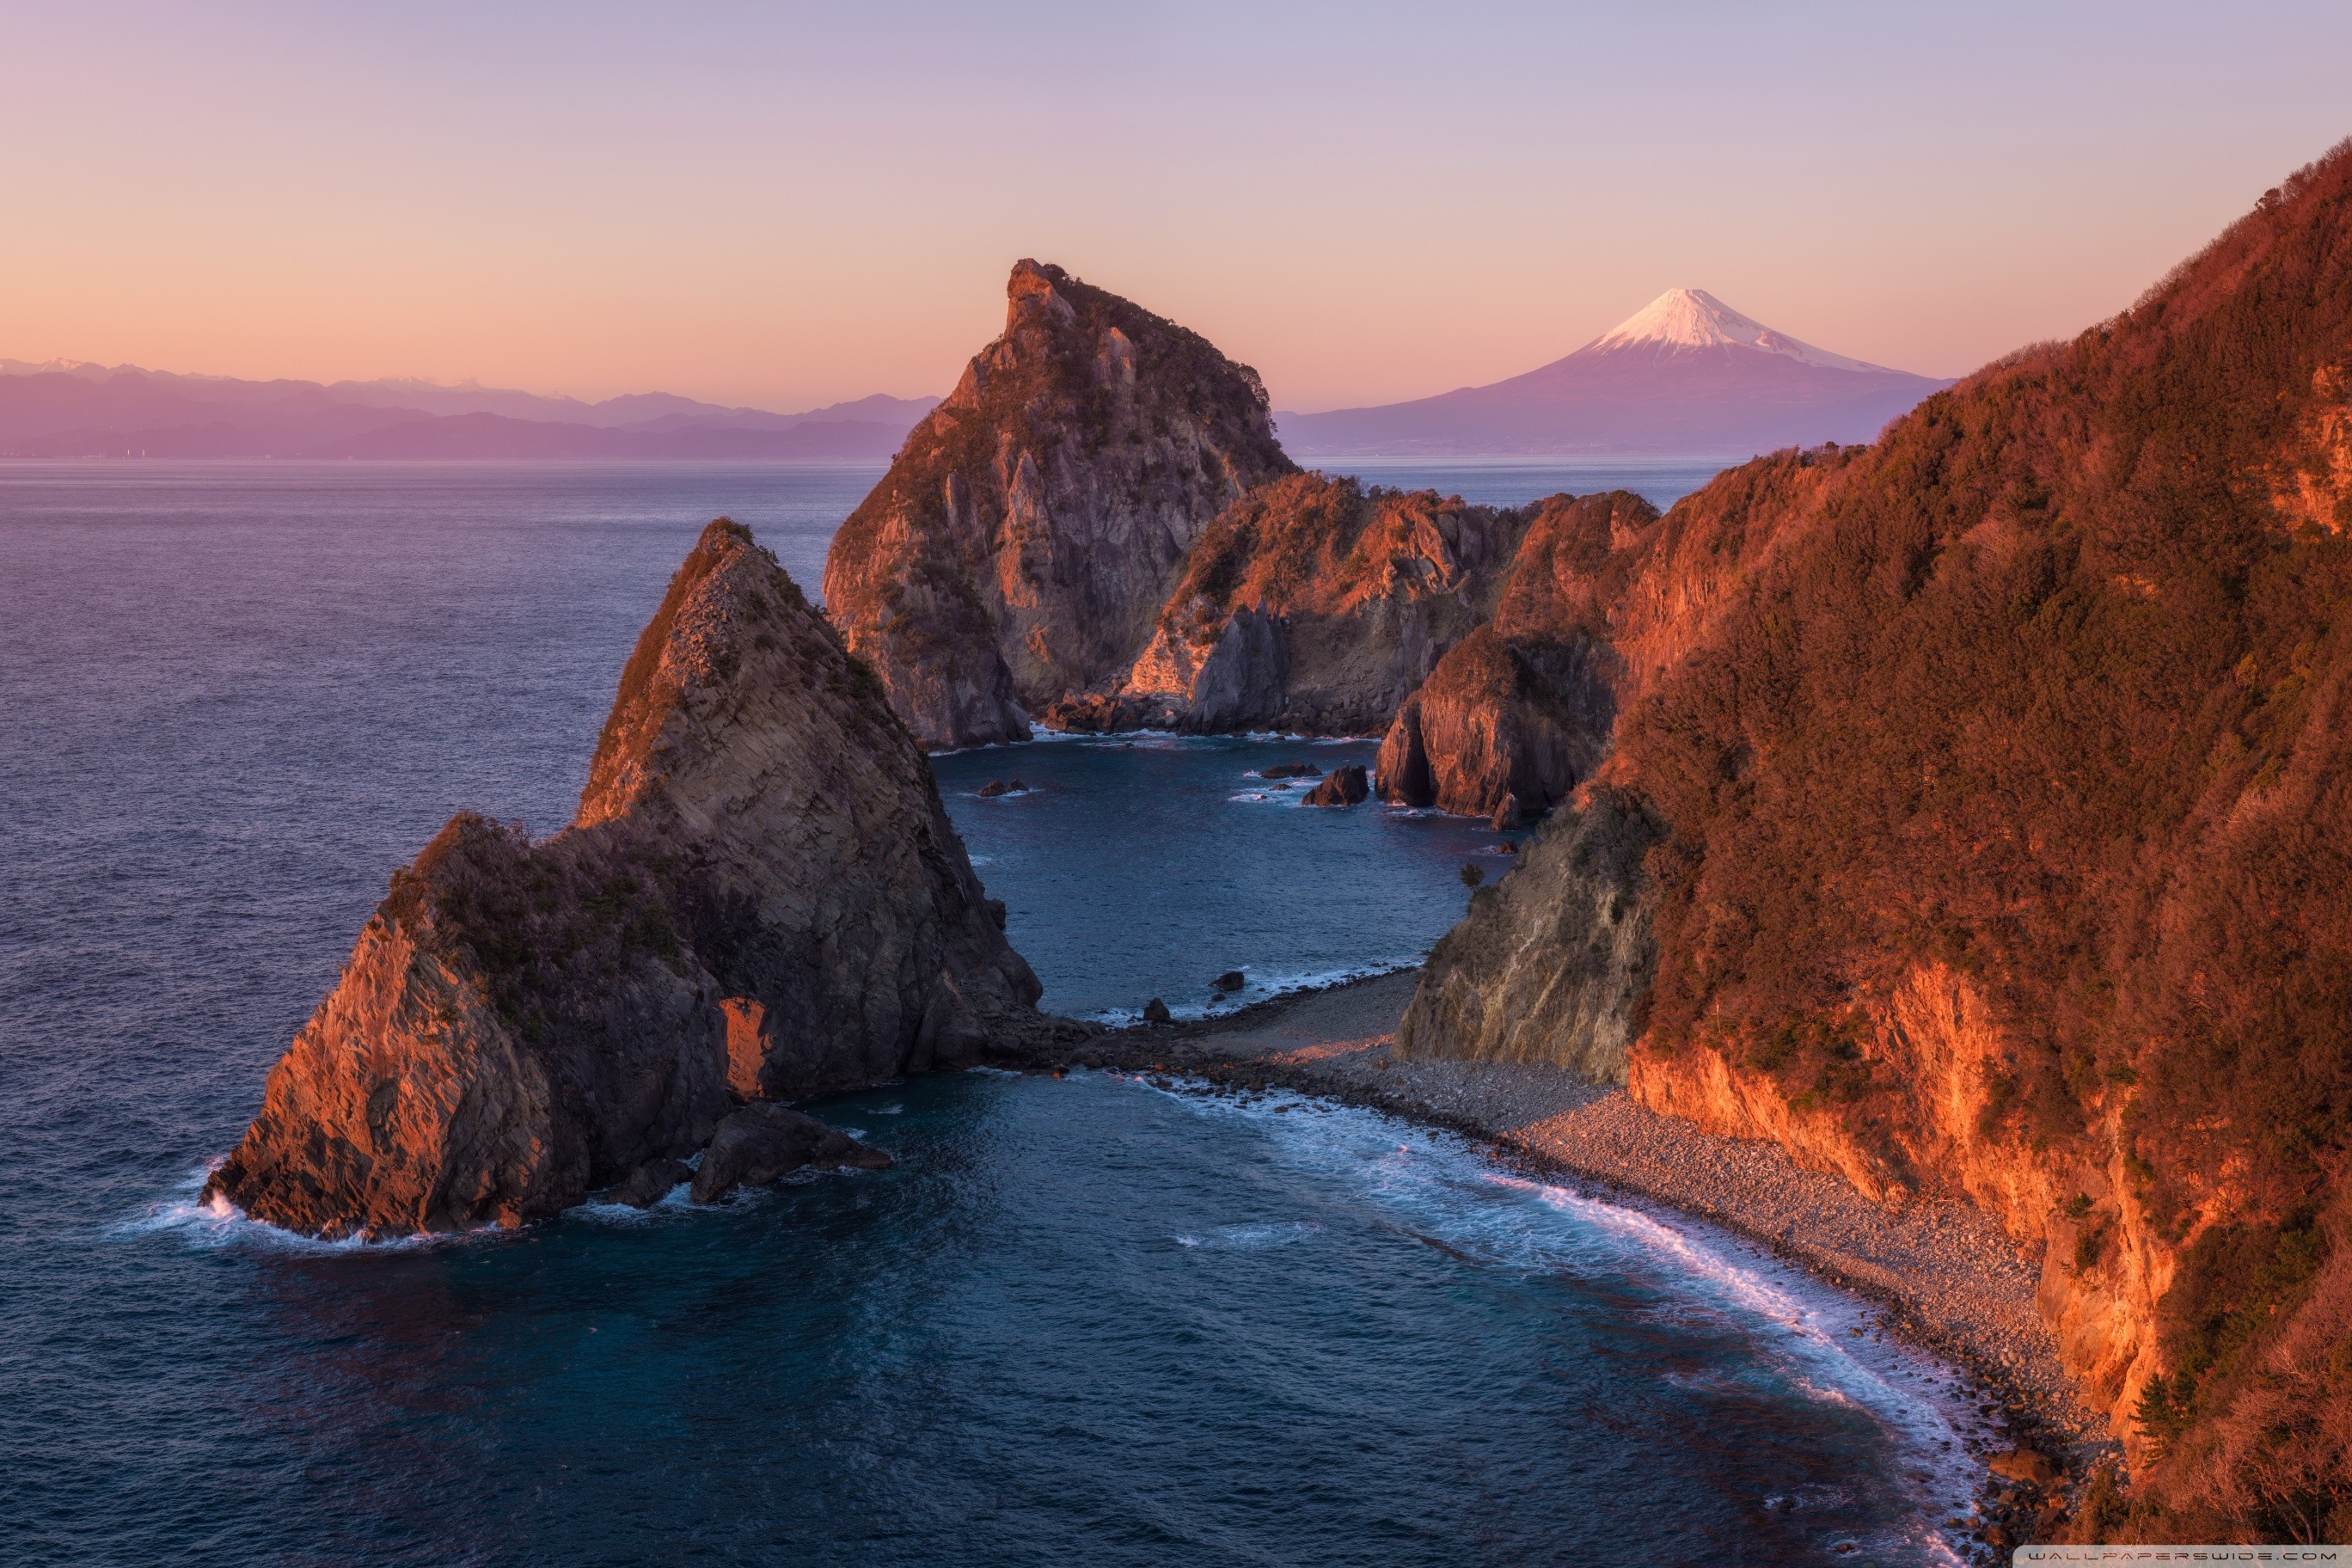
{"x":1603,"y":600}
{"x":760,"y":898}
{"x":1515,"y":714}
{"x":1311,"y":604}
{"x":2004,"y":777}
{"x":1027,"y":534}
{"x":1551,"y":963}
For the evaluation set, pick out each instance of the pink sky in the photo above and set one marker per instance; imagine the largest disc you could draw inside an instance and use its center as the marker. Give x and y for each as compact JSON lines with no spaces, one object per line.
{"x":1367,"y":203}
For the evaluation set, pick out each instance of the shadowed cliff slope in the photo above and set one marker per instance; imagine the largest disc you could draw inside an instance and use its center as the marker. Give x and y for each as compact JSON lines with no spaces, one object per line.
{"x":2007,"y":803}
{"x":1029,"y":530}
{"x":762,"y":898}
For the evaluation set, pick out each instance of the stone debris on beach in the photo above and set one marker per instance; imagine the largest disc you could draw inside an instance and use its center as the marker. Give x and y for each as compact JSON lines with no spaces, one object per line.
{"x":1954,"y":1283}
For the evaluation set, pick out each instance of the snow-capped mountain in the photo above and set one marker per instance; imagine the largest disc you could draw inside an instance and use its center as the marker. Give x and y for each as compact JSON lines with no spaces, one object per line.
{"x":1686,"y":374}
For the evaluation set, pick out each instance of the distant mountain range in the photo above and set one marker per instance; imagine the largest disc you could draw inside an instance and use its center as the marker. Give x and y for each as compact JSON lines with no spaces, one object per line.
{"x":69,"y":409}
{"x":1685,"y":374}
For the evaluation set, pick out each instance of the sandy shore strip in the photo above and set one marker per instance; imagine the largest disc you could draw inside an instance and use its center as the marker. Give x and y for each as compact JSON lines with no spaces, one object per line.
{"x":1950,"y":1281}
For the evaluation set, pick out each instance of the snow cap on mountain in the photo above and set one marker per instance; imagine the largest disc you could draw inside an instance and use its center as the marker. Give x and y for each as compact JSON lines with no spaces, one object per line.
{"x":1682,"y":319}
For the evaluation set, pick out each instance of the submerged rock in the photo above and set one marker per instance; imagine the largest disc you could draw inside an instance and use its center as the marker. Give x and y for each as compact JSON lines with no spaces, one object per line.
{"x":1345,"y":787}
{"x":652,"y":1182}
{"x":764,"y":1142}
{"x":760,"y":897}
{"x":1232,"y":980}
{"x":1156,"y":1011}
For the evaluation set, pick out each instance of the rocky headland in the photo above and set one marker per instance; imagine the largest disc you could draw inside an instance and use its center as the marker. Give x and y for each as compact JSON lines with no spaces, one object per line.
{"x":1024,"y":540}
{"x":760,"y":899}
{"x":1097,"y":531}
{"x":1311,"y":605}
{"x":1973,"y":828}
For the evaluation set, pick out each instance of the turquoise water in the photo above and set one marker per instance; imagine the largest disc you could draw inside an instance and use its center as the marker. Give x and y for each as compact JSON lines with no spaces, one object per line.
{"x":1080,"y":1321}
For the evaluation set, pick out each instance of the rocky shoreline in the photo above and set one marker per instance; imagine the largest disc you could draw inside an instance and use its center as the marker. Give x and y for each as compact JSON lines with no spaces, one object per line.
{"x":1947,"y":1279}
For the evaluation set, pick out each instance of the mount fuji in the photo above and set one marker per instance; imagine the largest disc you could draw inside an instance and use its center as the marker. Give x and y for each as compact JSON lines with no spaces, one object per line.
{"x":1685,"y":374}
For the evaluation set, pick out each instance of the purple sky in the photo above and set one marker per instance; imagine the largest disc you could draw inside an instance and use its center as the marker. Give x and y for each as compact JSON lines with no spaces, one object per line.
{"x":760,"y":204}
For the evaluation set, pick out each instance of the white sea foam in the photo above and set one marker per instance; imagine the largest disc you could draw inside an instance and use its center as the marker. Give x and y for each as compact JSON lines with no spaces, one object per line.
{"x":1441,"y":1189}
{"x":1263,"y":988}
{"x":219,"y":1222}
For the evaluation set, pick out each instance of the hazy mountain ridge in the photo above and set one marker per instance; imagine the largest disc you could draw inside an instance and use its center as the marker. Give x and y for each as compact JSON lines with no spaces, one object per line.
{"x":71,"y":409}
{"x":1686,"y":373}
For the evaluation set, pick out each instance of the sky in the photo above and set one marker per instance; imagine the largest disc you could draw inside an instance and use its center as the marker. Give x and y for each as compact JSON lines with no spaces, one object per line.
{"x":784,"y":207}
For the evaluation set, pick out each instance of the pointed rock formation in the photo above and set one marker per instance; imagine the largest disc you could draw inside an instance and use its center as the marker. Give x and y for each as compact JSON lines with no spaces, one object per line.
{"x":1029,"y":530}
{"x":762,"y":897}
{"x":1346,"y":786}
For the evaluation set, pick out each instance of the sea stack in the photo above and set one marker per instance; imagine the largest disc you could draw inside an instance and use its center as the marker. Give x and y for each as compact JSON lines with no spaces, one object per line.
{"x":759,"y":899}
{"x":1031,"y":528}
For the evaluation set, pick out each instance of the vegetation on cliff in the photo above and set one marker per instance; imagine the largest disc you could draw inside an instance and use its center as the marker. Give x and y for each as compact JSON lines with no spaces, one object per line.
{"x":2008,"y":801}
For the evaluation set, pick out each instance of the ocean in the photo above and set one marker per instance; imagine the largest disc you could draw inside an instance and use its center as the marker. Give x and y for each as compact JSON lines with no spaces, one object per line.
{"x":1079,"y":1320}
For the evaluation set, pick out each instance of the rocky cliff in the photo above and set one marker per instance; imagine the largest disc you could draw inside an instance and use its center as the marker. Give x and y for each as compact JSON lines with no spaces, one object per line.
{"x":1029,"y":529}
{"x":1311,"y":604}
{"x":1601,"y":599}
{"x":1551,"y":963}
{"x":760,"y":898}
{"x":2003,"y":777}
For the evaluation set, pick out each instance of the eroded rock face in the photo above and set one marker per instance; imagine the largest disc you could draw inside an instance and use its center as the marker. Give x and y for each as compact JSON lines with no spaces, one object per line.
{"x":1028,"y":532}
{"x":1501,"y":729}
{"x":1522,"y":710}
{"x":1550,"y":963}
{"x":760,"y":897}
{"x":1316,"y":604}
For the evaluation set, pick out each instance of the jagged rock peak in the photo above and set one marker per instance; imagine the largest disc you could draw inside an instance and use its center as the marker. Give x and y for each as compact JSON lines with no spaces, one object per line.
{"x":1030,"y":529}
{"x":761,"y":899}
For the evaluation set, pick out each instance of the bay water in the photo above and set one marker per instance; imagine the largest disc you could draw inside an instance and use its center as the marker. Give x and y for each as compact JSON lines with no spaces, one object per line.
{"x":1079,"y":1320}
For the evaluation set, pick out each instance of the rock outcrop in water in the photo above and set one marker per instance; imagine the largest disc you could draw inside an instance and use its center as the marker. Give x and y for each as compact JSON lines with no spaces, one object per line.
{"x":2002,"y":783}
{"x":1312,"y":605}
{"x":1346,"y":786}
{"x":1029,"y":530}
{"x":760,"y":899}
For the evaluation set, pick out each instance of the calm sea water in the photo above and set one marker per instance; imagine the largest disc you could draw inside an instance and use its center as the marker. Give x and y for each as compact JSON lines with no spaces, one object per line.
{"x":1079,"y":1321}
